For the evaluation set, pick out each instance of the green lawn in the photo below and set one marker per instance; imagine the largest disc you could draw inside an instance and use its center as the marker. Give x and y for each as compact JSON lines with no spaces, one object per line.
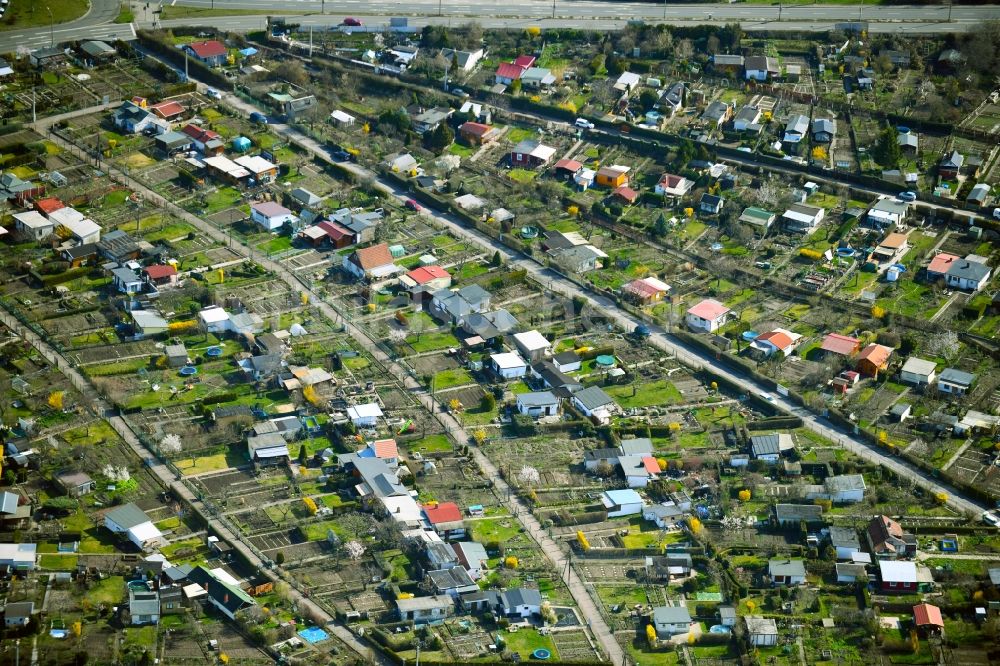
{"x":431,"y":444}
{"x":660,"y":392}
{"x":58,"y":562}
{"x":518,"y":134}
{"x":526,"y":641}
{"x":432,"y":341}
{"x":275,"y":245}
{"x":500,"y":530}
{"x":522,"y":176}
{"x":32,"y":14}
{"x":192,"y":466}
{"x":221,"y":199}
{"x":452,"y":377}
{"x":461,"y":150}
{"x":111,"y":590}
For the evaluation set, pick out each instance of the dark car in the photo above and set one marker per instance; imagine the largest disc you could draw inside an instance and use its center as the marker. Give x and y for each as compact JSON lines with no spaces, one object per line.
{"x":351,"y":21}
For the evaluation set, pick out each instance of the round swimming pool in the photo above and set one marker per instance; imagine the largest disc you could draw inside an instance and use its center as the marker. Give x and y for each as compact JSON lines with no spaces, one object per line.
{"x":719,"y":629}
{"x":541,"y":653}
{"x":605,"y":361}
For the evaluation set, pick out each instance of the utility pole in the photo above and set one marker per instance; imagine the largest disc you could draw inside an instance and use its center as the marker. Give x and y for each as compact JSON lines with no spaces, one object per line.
{"x":553,"y":8}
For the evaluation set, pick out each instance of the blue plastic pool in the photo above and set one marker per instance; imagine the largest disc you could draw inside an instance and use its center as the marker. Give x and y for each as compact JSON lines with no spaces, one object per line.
{"x":719,"y":629}
{"x":750,"y":335}
{"x":541,"y":653}
{"x":846,"y":251}
{"x":605,"y":360}
{"x":313,"y":635}
{"x":188,"y":370}
{"x":213,"y":352}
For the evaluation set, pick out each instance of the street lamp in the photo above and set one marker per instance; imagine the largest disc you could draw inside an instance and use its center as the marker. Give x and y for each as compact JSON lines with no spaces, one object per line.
{"x":52,"y":33}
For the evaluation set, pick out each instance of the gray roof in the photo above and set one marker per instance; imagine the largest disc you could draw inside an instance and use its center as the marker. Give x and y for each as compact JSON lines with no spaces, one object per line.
{"x":424,"y":603}
{"x":175,"y":350}
{"x":954,"y":160}
{"x":266,"y":363}
{"x":178,"y":573}
{"x":19,"y":609}
{"x":448,"y":579}
{"x":566,"y":357}
{"x":995,"y":576}
{"x":127,"y":516}
{"x":601,"y":454}
{"x":900,"y":408}
{"x":73,"y":479}
{"x":537,"y":399}
{"x":9,"y":502}
{"x":303,"y":195}
{"x":636,"y":446}
{"x":125,"y":275}
{"x":852,"y":569}
{"x":578,"y":254}
{"x":748,"y":113}
{"x":891,"y":206}
{"x":968,"y":270}
{"x":521,"y":596}
{"x":798,"y":124}
{"x":760,"y":625}
{"x":97,"y":49}
{"x":845,"y":537}
{"x":824,"y":125}
{"x":919,"y":366}
{"x":716,"y":111}
{"x":671,"y":615}
{"x":844,"y":482}
{"x":725,"y":59}
{"x":765,"y":444}
{"x":593,"y":397}
{"x":954,"y":376}
{"x":143,"y":602}
{"x":786,"y":567}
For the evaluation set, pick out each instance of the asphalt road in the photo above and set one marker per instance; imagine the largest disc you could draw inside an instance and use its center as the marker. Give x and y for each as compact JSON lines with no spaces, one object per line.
{"x":593,"y":9}
{"x":614,"y":15}
{"x":95,"y":24}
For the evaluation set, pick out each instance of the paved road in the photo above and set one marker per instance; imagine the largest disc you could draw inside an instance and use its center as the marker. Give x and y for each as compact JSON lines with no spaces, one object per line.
{"x":759,"y":21}
{"x":95,"y":24}
{"x":590,"y":10}
{"x":660,"y":337}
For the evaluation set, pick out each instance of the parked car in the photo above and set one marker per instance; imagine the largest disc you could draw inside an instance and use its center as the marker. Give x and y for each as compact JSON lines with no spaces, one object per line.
{"x":352,"y":22}
{"x":258,"y":118}
{"x":583,"y":123}
{"x":908,"y":196}
{"x":413,"y":205}
{"x":213,"y":93}
{"x":996,"y":213}
{"x":991,"y":518}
